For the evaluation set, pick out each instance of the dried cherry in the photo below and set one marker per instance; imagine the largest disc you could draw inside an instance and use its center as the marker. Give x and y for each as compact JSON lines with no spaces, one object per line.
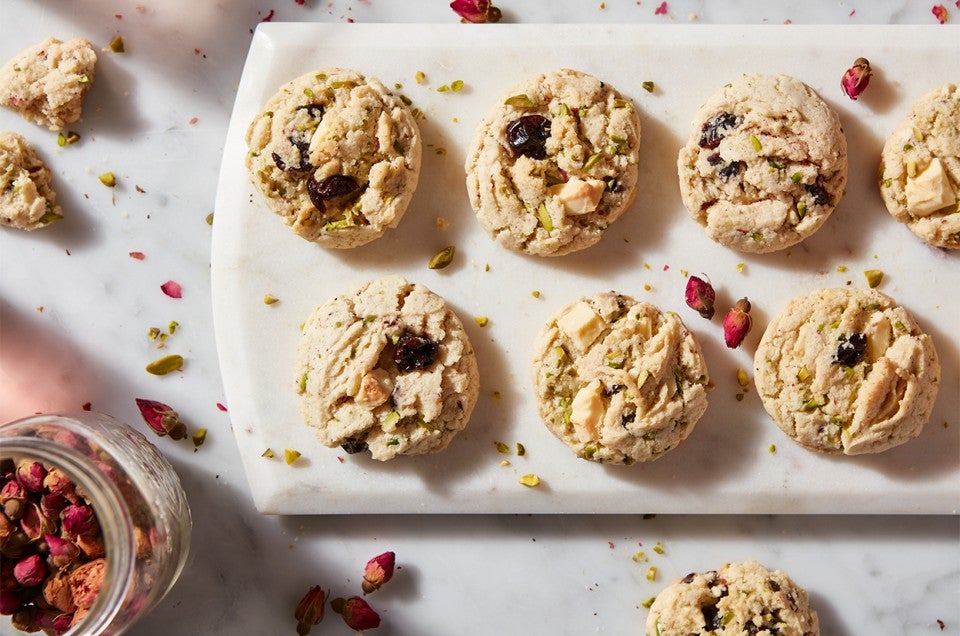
{"x":528,"y":136}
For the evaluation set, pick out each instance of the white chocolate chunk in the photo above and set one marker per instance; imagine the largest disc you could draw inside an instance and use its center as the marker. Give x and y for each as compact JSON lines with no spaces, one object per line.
{"x":587,"y":410}
{"x":375,"y":388}
{"x":929,"y":191}
{"x":581,"y":324}
{"x":578,"y":196}
{"x":879,"y":337}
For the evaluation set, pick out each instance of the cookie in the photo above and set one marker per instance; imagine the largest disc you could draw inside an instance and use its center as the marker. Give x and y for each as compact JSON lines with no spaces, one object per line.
{"x":336,"y":155}
{"x":765,"y":163}
{"x":554,"y":163}
{"x":847,"y":371}
{"x":919,"y":173}
{"x":737,"y":598}
{"x":27,"y":199}
{"x":46,"y":82}
{"x":387,"y":368}
{"x":618,"y":380}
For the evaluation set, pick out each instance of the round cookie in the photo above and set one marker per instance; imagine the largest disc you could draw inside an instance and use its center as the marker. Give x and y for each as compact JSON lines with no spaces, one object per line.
{"x":847,"y":371}
{"x":737,"y":598}
{"x":919,"y":173}
{"x":387,"y":368}
{"x":46,"y":83}
{"x":336,"y":155}
{"x":554,"y":163}
{"x":765,"y":163}
{"x":27,"y":199}
{"x":618,"y":380}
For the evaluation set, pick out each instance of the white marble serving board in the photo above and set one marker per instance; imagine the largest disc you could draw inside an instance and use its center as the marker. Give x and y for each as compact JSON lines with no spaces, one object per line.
{"x":726,"y":465}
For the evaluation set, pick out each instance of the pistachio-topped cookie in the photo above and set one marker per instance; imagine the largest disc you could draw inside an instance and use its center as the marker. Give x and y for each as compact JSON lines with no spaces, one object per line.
{"x":387,"y":368}
{"x":618,"y":380}
{"x":336,"y":155}
{"x":554,"y":163}
{"x":920,"y":168}
{"x":27,"y":198}
{"x":847,"y":371}
{"x":765,"y":163}
{"x":46,"y":83}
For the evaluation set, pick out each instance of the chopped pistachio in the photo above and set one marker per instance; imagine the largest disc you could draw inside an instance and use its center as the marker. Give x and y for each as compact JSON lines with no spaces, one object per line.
{"x":841,"y":268}
{"x":911,"y":169}
{"x":647,"y":603}
{"x":270,"y":300}
{"x":393,"y":441}
{"x":742,"y":377}
{"x":392,"y":418}
{"x":900,"y":326}
{"x":796,"y":177}
{"x":640,"y":557}
{"x":589,"y":451}
{"x":815,"y":402}
{"x":756,"y":143}
{"x":757,"y":236}
{"x":544,"y":216}
{"x":443,"y":89}
{"x":308,"y":92}
{"x":652,"y":573}
{"x":505,"y":462}
{"x":874,"y":277}
{"x":502,"y":448}
{"x":496,"y":395}
{"x":740,"y":397}
{"x":741,"y":267}
{"x":303,"y":382}
{"x":442,"y":258}
{"x":530,"y":480}
{"x":108,"y":179}
{"x":520,"y":101}
{"x":70,"y":138}
{"x":481,"y":321}
{"x":165,"y":365}
{"x":801,"y":209}
{"x":648,"y":86}
{"x":199,"y":437}
{"x":456,"y":86}
{"x":803,"y":375}
{"x":658,"y":547}
{"x":535,"y":293}
{"x":49,"y":217}
{"x":592,"y":161}
{"x":209,"y":219}
{"x":172,"y":327}
{"x":521,"y":449}
{"x":420,"y":77}
{"x":772,"y":449}
{"x":290,"y":455}
{"x":116,"y":44}
{"x":907,"y":147}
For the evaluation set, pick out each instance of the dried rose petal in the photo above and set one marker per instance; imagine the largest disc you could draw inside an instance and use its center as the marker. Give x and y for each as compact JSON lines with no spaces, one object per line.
{"x":30,"y":571}
{"x":63,"y":552}
{"x":172,"y":289}
{"x":269,"y":17}
{"x":309,"y":610}
{"x":57,"y":482}
{"x":52,"y":504}
{"x":79,"y":520}
{"x":700,"y":296}
{"x":56,"y":622}
{"x":940,"y":13}
{"x":31,"y":475}
{"x":10,"y":602}
{"x":137,"y":255}
{"x":35,"y":524}
{"x":356,"y":613}
{"x":736,"y":324}
{"x":378,"y":571}
{"x":221,"y":407}
{"x":856,"y":78}
{"x":476,"y":11}
{"x":13,"y":498}
{"x":161,"y":419}
{"x":661,"y":10}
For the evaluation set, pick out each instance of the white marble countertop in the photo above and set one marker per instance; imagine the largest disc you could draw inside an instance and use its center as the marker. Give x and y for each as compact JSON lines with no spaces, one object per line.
{"x":157,"y":117}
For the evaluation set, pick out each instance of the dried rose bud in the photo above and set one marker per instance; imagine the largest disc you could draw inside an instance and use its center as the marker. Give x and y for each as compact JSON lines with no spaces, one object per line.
{"x":52,"y":504}
{"x":10,"y":602}
{"x":26,"y":619}
{"x":30,"y":570}
{"x":63,"y":552}
{"x":736,"y":324}
{"x":15,"y":545}
{"x":476,"y":11}
{"x":91,"y":545}
{"x":31,"y":474}
{"x":162,"y":419}
{"x":13,"y":497}
{"x":35,"y":524}
{"x":78,"y":616}
{"x":57,"y":593}
{"x":856,"y":79}
{"x":86,"y":581}
{"x":700,"y":296}
{"x":378,"y":571}
{"x":79,"y":519}
{"x":7,"y":527}
{"x":7,"y":580}
{"x":53,"y":621}
{"x":309,"y":611}
{"x":356,"y":613}
{"x":57,"y":482}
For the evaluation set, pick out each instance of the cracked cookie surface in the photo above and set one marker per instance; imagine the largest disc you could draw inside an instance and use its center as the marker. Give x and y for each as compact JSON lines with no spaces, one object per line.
{"x":27,"y":198}
{"x":765,"y":163}
{"x":847,"y":371}
{"x":554,"y":163}
{"x":919,"y":175}
{"x":387,"y":368}
{"x":618,"y":380}
{"x":46,"y":83}
{"x":736,"y":599}
{"x":336,"y":155}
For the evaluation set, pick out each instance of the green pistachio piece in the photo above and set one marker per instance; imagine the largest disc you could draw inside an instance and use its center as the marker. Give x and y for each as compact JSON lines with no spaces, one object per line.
{"x":519,"y":101}
{"x":199,"y":437}
{"x":530,"y":480}
{"x":49,"y":217}
{"x":108,"y":179}
{"x":442,"y":258}
{"x":502,"y":448}
{"x":796,"y":177}
{"x":592,"y":161}
{"x":874,"y":277}
{"x":267,"y":453}
{"x":545,"y":219}
{"x":165,"y":365}
{"x":270,"y":300}
{"x":755,"y":143}
{"x":116,"y":44}
{"x":290,"y":455}
{"x":648,"y":86}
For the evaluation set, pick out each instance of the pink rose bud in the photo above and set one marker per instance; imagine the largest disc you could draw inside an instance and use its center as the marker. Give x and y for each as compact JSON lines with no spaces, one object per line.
{"x":35,"y":524}
{"x":476,"y":11}
{"x":63,"y":552}
{"x":700,"y":296}
{"x":856,"y":79}
{"x":30,"y":571}
{"x":9,"y":602}
{"x":52,"y":504}
{"x":31,"y":475}
{"x":356,"y":613}
{"x":56,"y":622}
{"x":57,"y":482}
{"x":91,"y":545}
{"x":736,"y":324}
{"x":309,"y":611}
{"x":378,"y":571}
{"x":79,"y":519}
{"x":13,"y":497}
{"x":162,"y":419}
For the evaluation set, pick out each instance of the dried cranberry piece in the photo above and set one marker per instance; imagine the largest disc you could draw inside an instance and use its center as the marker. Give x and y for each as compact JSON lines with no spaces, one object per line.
{"x":304,"y":148}
{"x":314,"y":110}
{"x":712,"y":130}
{"x":333,"y":186}
{"x":354,"y":446}
{"x":528,"y":136}
{"x":714,"y":159}
{"x":850,"y":349}
{"x":688,"y":578}
{"x":626,"y":418}
{"x":712,"y":618}
{"x":732,"y":169}
{"x":414,"y":352}
{"x":819,"y":194}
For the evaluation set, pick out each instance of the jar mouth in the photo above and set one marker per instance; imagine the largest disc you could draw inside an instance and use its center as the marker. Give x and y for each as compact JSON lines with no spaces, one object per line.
{"x":112,"y":515}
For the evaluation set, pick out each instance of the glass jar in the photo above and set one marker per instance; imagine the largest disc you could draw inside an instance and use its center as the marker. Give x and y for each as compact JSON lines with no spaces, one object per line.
{"x":136,"y":496}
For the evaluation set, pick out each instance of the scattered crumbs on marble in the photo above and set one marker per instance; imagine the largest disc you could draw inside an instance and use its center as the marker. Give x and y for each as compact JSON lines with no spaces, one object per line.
{"x":647,"y":287}
{"x":442,"y":223}
{"x":535,"y":293}
{"x":172,"y":289}
{"x":504,"y":462}
{"x":666,"y":267}
{"x":40,"y":309}
{"x":193,"y":120}
{"x":137,"y":255}
{"x":852,"y":13}
{"x":139,"y":189}
{"x":603,"y":5}
{"x":340,"y":458}
{"x":486,"y":267}
{"x":611,"y":544}
{"x":940,"y":623}
{"x":66,"y":251}
{"x":497,"y":396}
{"x":661,"y":10}
{"x":86,"y":406}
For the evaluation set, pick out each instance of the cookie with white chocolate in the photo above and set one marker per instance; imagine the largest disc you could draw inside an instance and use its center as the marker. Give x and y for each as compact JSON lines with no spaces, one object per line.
{"x":919,"y":175}
{"x":847,"y":371}
{"x":387,"y":368}
{"x":618,"y":380}
{"x":27,"y":198}
{"x":554,"y":163}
